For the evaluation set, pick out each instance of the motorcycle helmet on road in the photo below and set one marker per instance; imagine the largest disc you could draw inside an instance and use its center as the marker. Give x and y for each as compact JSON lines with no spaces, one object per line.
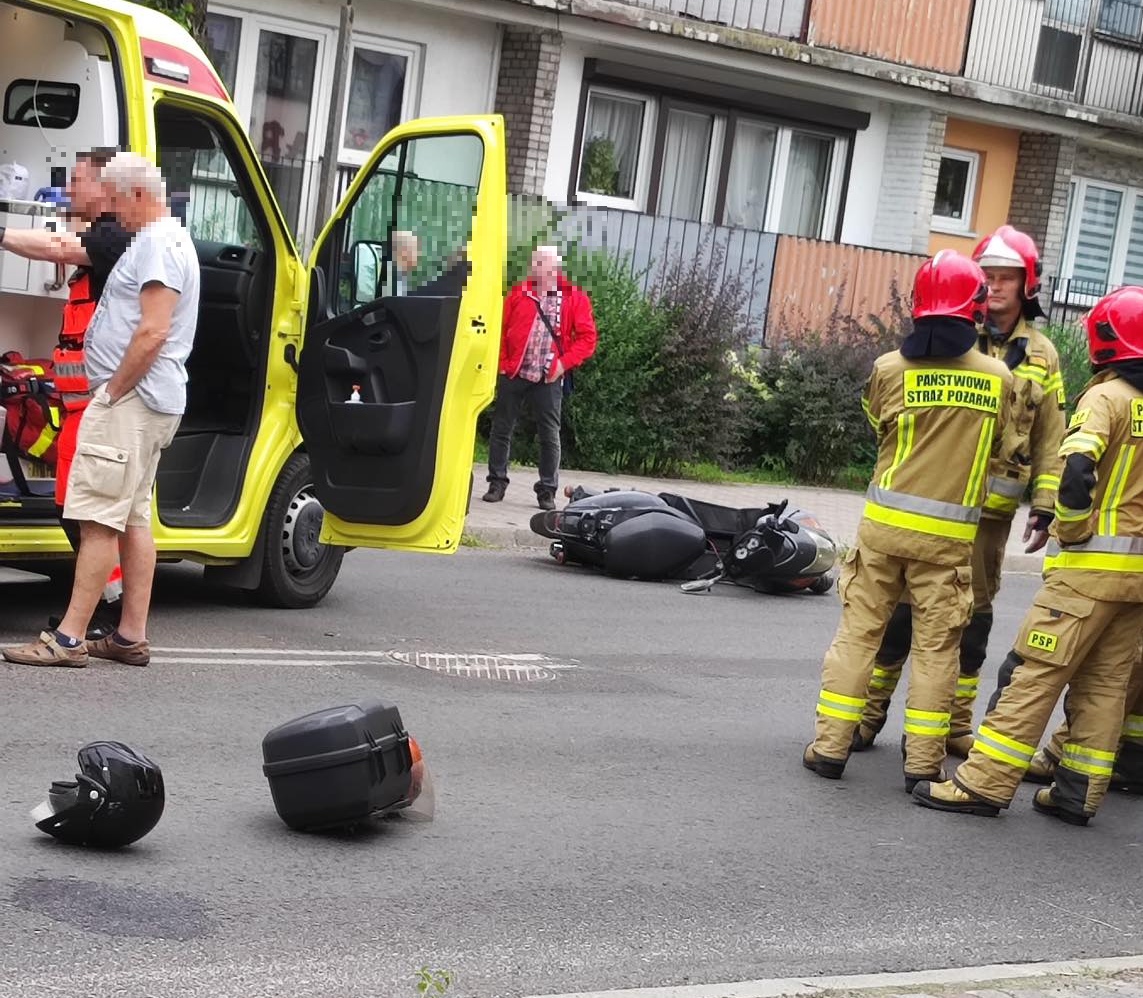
{"x":117,"y":797}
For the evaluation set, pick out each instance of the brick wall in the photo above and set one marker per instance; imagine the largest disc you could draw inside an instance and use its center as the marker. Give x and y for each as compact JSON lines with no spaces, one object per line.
{"x":525,"y":95}
{"x":909,"y":179}
{"x":1040,"y":193}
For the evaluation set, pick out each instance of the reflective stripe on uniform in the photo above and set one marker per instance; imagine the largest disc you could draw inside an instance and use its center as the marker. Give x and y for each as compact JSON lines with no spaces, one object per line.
{"x":928,"y":723}
{"x":906,"y":433}
{"x":1046,"y":482}
{"x":972,"y":491}
{"x":1004,"y":494}
{"x":927,"y":516}
{"x":1003,"y":749}
{"x":1032,"y":372}
{"x":1066,"y":515}
{"x":1117,"y":484}
{"x":842,"y":707}
{"x":1089,"y":761}
{"x":1098,"y":553}
{"x":967,"y":686}
{"x":1055,"y":382}
{"x":1133,"y":727}
{"x":1084,"y":443}
{"x":885,"y":679}
{"x":868,"y":414}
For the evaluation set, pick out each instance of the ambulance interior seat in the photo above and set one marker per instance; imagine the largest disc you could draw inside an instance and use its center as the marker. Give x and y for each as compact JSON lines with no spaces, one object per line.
{"x":200,"y":474}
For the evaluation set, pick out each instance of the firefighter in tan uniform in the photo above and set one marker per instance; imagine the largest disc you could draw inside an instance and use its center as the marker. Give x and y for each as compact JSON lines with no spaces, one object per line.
{"x":939,"y":408}
{"x":1128,"y":772}
{"x":1083,"y":629}
{"x":1012,"y":264}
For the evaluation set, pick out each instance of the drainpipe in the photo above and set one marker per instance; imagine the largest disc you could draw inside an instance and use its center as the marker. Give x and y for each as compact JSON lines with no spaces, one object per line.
{"x":967,"y":37}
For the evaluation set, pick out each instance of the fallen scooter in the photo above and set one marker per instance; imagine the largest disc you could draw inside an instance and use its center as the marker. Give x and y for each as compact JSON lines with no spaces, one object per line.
{"x":643,"y":535}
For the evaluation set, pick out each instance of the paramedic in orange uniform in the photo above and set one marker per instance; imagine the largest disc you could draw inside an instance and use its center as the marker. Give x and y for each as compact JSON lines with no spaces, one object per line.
{"x":94,"y":251}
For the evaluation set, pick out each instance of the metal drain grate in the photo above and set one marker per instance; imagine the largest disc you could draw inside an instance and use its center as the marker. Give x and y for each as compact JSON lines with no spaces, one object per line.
{"x":497,"y":667}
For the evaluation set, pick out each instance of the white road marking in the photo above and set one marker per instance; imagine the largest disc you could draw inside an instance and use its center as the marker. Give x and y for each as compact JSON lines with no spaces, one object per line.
{"x":782,"y":987}
{"x":280,"y":656}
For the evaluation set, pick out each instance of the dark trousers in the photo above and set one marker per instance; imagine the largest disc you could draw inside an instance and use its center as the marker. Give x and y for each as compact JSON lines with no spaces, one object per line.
{"x":546,"y":400}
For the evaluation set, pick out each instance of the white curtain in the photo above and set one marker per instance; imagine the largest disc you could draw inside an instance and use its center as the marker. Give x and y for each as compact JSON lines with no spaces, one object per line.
{"x":686,"y":153}
{"x":1099,"y":220}
{"x":619,"y":120}
{"x":748,"y":186}
{"x":803,"y":199}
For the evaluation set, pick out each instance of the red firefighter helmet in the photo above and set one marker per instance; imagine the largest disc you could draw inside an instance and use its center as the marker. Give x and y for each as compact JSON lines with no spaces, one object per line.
{"x":1009,"y":247}
{"x":1115,"y":327}
{"x":950,"y":285}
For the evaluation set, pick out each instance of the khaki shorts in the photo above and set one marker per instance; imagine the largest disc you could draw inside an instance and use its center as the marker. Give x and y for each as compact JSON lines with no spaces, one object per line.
{"x":116,"y":459}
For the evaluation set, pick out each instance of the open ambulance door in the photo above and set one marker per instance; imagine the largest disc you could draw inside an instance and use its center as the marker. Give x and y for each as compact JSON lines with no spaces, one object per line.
{"x":405,"y":301}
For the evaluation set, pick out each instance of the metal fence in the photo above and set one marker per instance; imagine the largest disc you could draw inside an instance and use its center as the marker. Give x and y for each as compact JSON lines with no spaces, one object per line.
{"x":1088,"y":52}
{"x":782,"y":18}
{"x":1065,"y":299}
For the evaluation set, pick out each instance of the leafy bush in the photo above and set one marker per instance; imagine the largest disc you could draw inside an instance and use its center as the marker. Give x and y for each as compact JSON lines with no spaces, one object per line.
{"x":1075,"y":362}
{"x":808,"y":420}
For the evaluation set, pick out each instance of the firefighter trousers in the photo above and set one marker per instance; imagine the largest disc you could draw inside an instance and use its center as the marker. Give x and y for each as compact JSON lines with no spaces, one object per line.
{"x":987,"y":563}
{"x":1066,"y":640}
{"x":1129,"y":758}
{"x":870,"y":586}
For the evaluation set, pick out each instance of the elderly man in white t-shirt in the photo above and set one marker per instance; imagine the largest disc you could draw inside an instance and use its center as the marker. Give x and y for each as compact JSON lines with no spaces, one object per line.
{"x":136,"y":350}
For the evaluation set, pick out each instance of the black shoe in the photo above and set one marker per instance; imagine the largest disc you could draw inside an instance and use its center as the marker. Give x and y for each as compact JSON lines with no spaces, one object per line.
{"x":546,"y":499}
{"x":495,"y":492}
{"x":830,"y":769}
{"x":1044,"y":802}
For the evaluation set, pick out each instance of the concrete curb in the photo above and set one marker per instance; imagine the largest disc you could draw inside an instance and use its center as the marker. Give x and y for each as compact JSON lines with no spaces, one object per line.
{"x":957,"y":976}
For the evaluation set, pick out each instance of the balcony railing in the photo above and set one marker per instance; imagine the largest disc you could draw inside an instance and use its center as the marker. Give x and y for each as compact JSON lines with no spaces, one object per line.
{"x":780,"y":18}
{"x":1084,"y":52}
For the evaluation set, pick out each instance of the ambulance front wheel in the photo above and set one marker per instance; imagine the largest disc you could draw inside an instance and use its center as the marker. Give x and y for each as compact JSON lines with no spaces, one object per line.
{"x":297,"y":569}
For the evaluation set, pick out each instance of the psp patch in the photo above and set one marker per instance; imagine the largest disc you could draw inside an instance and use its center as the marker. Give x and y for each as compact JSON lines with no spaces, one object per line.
{"x":1042,"y":641}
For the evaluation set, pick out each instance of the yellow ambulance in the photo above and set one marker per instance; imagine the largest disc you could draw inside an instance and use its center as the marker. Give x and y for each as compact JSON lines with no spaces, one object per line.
{"x":332,"y":403}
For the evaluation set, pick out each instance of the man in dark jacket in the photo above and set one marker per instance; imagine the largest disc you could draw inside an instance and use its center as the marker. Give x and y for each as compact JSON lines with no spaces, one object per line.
{"x":548,"y":330}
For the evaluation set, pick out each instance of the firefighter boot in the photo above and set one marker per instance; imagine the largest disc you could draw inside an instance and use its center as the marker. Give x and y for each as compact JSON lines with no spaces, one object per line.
{"x":1046,"y":802}
{"x":973,"y":650}
{"x":947,"y":796}
{"x":888,"y":664}
{"x":1128,"y":774}
{"x":1042,"y":768}
{"x":830,"y":769}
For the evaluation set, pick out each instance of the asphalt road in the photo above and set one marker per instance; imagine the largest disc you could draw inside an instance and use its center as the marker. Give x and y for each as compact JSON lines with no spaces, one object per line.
{"x":640,"y":818}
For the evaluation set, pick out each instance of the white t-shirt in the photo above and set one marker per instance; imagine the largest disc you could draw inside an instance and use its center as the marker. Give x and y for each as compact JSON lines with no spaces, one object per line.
{"x":162,"y":252}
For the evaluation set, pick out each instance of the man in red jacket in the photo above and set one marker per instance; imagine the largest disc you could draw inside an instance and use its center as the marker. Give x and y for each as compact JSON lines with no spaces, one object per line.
{"x":548,"y":330}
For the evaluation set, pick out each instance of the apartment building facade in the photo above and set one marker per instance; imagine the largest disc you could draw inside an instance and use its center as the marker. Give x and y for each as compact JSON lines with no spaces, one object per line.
{"x":838,"y":128}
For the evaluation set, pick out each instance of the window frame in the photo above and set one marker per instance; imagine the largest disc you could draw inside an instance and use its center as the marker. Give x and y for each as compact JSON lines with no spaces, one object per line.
{"x":410,"y":97}
{"x":1112,"y":36}
{"x":963,"y":226}
{"x":644,"y":159}
{"x":1132,"y":196}
{"x":648,"y":177}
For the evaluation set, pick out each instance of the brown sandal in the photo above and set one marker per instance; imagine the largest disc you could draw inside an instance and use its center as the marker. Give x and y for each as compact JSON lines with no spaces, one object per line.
{"x":47,"y":651}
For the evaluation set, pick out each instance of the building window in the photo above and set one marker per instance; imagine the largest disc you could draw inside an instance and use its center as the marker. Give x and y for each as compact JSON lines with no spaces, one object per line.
{"x":223,"y":36}
{"x":1121,"y":18}
{"x":956,"y":191}
{"x":710,"y":167}
{"x":1061,"y":44}
{"x":378,"y":96}
{"x":616,"y":141}
{"x":1104,"y":247}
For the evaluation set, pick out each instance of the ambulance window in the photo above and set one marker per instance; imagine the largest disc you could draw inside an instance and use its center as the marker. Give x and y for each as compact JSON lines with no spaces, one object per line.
{"x":409,"y":226}
{"x":41,"y":103}
{"x":197,"y":162}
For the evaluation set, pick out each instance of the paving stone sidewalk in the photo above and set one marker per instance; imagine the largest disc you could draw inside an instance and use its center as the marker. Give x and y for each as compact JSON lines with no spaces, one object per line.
{"x":505,"y":524}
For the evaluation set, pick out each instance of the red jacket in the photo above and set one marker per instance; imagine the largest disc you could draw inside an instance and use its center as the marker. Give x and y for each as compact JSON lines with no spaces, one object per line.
{"x":576,"y":329}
